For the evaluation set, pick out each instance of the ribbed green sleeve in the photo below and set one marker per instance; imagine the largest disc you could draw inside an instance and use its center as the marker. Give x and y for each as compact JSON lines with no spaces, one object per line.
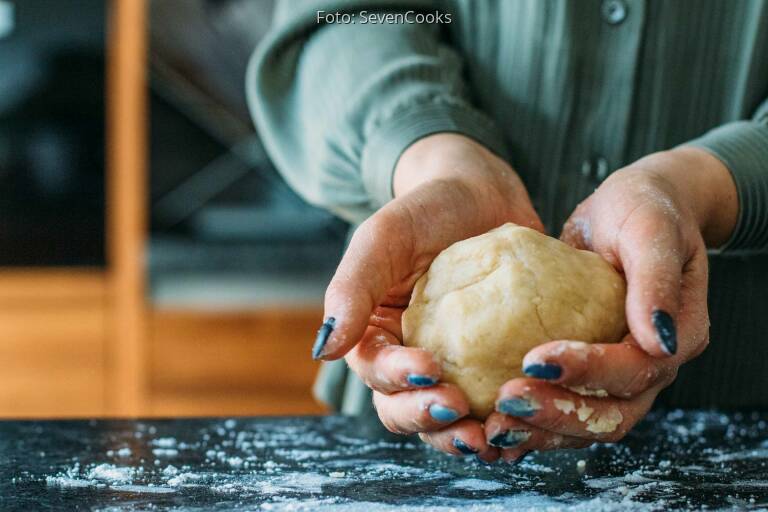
{"x":336,"y":104}
{"x":743,"y":147}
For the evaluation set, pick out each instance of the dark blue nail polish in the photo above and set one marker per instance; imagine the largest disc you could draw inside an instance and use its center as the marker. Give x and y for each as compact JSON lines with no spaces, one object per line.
{"x":520,"y":459}
{"x":443,"y":414}
{"x":463,"y":447}
{"x":509,"y":438}
{"x":421,"y":381}
{"x":546,"y":371}
{"x":521,"y":407}
{"x":322,"y":337}
{"x":665,"y":331}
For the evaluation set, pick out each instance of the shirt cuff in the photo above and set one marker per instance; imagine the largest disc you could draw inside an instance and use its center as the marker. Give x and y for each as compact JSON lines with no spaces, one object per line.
{"x":392,"y":137}
{"x":743,"y":147}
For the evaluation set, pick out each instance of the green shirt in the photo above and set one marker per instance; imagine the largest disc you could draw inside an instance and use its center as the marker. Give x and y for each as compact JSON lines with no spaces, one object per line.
{"x":568,"y":91}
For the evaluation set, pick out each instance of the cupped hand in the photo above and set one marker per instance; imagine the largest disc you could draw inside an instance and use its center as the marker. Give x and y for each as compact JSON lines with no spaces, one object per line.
{"x":447,"y":188}
{"x":651,"y":221}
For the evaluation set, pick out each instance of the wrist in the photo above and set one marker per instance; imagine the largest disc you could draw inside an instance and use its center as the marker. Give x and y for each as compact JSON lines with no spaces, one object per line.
{"x":710,"y":189}
{"x":442,"y":156}
{"x":699,"y":184}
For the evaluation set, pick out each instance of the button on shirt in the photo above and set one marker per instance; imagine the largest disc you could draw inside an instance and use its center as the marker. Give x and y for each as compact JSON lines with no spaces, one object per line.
{"x":614,"y":11}
{"x":547,"y":84}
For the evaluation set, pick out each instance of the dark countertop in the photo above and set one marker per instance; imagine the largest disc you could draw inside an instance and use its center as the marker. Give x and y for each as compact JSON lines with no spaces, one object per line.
{"x":672,"y":460}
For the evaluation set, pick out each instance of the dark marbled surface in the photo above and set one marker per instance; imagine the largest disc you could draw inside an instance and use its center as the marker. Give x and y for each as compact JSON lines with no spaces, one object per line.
{"x":673,"y":460}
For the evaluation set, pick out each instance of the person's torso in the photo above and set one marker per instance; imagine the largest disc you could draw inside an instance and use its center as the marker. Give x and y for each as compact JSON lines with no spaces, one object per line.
{"x":581,"y":89}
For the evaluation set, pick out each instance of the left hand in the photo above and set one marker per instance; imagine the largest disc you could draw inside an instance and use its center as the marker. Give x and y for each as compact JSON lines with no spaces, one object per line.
{"x":650,"y":220}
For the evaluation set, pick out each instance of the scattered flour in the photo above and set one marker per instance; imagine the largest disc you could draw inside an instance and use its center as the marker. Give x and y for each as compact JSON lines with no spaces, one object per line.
{"x":165,"y":452}
{"x":476,"y":484}
{"x":165,"y":442}
{"x":110,"y":473}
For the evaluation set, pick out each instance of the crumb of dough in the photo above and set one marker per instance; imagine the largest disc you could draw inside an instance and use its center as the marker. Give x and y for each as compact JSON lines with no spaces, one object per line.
{"x":564,"y":406}
{"x":584,"y":411}
{"x":584,"y":391}
{"x":605,"y":422}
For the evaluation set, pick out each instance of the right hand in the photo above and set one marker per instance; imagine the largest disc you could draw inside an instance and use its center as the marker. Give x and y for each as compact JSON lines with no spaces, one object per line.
{"x":447,"y":188}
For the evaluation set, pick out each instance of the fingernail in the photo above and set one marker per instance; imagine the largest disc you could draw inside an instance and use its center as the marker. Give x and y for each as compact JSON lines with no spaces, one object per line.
{"x":322,"y":337}
{"x":463,"y":447}
{"x":520,"y":459}
{"x":517,"y":406}
{"x":546,"y":371}
{"x":665,"y":331}
{"x":509,"y":438}
{"x":442,"y":414}
{"x":421,"y":381}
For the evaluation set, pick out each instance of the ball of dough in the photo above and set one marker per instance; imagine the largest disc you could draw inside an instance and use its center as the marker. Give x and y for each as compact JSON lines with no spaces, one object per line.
{"x":486,"y":301}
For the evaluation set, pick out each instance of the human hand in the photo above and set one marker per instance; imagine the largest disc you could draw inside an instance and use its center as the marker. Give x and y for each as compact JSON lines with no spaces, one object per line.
{"x":650,"y":220}
{"x":447,"y":188}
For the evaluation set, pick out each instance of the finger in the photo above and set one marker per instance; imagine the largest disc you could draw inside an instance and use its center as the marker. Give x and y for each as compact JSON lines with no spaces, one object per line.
{"x":514,"y":436}
{"x":652,"y":255}
{"x":387,"y":366}
{"x":489,"y":455}
{"x":424,"y":410}
{"x":557,"y":442}
{"x":621,"y":369}
{"x":374,"y":262}
{"x":465,"y":437}
{"x":693,"y":325}
{"x":556,"y":409}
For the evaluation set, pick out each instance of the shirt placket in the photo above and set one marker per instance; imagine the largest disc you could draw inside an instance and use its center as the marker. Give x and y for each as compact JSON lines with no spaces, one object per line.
{"x":608,"y":58}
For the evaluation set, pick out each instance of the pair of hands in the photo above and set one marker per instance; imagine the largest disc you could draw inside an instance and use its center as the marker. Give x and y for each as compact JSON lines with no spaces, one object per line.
{"x":650,"y":220}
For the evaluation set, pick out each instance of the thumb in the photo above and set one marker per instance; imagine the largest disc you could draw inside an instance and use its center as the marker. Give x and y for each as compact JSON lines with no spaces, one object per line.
{"x":651,"y":252}
{"x":393,"y":248}
{"x":373,"y":262}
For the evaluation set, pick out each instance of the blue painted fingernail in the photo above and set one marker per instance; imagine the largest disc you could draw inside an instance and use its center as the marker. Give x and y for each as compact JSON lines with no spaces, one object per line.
{"x":509,"y":438}
{"x":322,"y":337}
{"x":443,"y":414}
{"x":520,"y":458}
{"x":421,"y":381}
{"x":546,"y":371}
{"x":666,"y":332}
{"x":517,"y":406}
{"x":463,"y":447}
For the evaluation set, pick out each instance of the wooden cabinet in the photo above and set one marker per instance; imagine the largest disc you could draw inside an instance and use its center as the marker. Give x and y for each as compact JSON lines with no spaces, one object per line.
{"x":53,"y":350}
{"x":225,"y":363}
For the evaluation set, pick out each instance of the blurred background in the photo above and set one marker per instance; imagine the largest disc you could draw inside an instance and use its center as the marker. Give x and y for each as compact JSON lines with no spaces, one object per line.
{"x":152,"y":262}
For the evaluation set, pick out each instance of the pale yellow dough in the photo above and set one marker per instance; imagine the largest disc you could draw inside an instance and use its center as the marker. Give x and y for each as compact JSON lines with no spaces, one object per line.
{"x":486,"y":301}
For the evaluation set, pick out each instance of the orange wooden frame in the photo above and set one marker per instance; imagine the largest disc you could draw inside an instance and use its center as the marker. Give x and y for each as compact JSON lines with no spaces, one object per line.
{"x":126,"y":209}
